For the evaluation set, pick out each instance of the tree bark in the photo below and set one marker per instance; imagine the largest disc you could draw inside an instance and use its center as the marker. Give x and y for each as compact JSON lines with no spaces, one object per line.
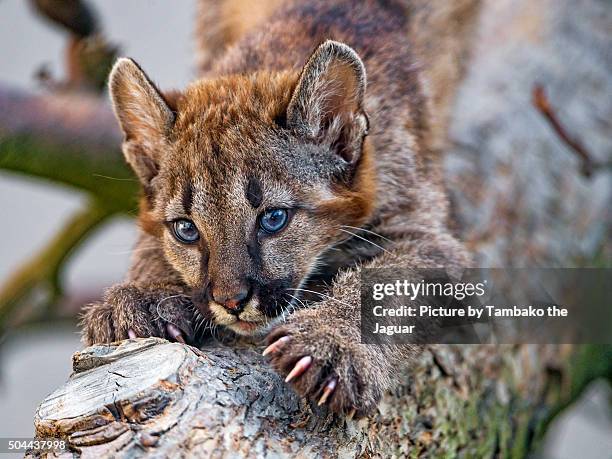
{"x":151,"y":397}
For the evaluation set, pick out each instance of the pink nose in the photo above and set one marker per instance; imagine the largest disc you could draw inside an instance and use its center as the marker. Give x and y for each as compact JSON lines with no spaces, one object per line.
{"x":233,"y":303}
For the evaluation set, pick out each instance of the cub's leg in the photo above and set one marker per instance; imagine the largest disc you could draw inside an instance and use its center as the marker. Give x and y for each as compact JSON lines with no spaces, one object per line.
{"x":319,"y":351}
{"x":130,"y":311}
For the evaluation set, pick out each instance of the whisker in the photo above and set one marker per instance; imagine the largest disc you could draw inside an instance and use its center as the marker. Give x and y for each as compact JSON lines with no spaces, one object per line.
{"x":297,"y":299}
{"x":165,"y":299}
{"x":201,"y":322}
{"x":292,"y":307}
{"x":119,"y":179}
{"x":368,"y":231}
{"x":321,"y":295}
{"x":366,"y":240}
{"x":284,"y":311}
{"x":136,"y":250}
{"x":207,"y":324}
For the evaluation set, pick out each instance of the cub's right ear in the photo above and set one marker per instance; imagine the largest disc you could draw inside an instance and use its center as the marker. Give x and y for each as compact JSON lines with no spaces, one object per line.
{"x":144,"y":116}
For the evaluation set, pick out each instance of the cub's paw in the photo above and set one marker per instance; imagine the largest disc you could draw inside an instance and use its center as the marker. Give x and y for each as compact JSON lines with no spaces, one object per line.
{"x":132,"y":312}
{"x":326,"y":365}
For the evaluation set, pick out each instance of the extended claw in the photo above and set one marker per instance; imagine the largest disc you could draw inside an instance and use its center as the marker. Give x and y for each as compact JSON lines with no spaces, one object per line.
{"x":175,"y":333}
{"x":300,"y":367}
{"x":351,"y":414}
{"x":276,"y":345}
{"x":132,"y":334}
{"x":327,"y":391}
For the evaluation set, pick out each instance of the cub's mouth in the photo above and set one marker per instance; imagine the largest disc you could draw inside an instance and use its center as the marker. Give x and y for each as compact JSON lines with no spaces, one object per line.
{"x":250,"y":321}
{"x":245,"y":328}
{"x":255,"y":313}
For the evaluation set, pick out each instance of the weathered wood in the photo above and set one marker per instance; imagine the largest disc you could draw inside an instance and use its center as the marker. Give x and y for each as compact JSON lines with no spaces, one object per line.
{"x":152,"y":397}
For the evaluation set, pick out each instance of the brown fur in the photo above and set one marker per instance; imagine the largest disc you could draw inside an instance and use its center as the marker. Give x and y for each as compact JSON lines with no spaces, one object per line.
{"x":274,"y":124}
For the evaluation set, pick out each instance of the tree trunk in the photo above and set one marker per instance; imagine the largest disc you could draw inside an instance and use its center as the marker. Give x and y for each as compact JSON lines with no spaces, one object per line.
{"x":149,"y":396}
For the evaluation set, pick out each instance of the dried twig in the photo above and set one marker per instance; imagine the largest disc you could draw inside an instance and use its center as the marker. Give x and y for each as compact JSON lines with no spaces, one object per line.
{"x":542,"y":104}
{"x":89,"y":56}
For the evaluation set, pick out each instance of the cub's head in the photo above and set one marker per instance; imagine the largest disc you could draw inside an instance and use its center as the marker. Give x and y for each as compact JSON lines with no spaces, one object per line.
{"x":248,"y":178}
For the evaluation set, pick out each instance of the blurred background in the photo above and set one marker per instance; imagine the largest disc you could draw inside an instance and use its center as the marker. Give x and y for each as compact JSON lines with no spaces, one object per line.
{"x":551,"y":208}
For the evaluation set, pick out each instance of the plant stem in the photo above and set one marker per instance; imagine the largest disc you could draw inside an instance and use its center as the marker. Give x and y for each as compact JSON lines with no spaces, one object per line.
{"x":42,"y":271}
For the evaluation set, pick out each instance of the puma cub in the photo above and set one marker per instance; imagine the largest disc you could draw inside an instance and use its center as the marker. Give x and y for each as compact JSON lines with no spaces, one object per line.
{"x":309,"y":151}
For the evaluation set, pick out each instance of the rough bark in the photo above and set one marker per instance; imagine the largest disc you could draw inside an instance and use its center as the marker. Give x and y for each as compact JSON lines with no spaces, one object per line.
{"x":151,"y":397}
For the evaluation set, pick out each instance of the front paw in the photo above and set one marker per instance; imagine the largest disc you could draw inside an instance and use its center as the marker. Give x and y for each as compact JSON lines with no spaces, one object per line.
{"x":131,"y":312}
{"x":323,"y":362}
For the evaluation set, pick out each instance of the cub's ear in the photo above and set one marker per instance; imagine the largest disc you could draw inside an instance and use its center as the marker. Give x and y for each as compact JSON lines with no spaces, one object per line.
{"x":144,"y":116}
{"x":327,"y":103}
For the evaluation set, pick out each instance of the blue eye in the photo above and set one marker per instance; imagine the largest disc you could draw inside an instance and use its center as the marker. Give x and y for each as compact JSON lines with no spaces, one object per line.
{"x":274,"y":220}
{"x":185,"y":231}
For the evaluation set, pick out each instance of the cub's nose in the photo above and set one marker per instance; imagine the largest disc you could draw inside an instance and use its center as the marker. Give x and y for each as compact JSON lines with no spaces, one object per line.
{"x":234,"y":304}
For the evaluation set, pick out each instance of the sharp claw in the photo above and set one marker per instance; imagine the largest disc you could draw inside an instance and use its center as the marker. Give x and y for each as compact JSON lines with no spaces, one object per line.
{"x":300,"y":367}
{"x":276,"y":345}
{"x":351,"y":414}
{"x":327,"y":391}
{"x":132,"y":334}
{"x":175,"y":333}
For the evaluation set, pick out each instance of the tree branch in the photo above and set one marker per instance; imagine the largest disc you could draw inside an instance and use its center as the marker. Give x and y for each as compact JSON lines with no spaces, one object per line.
{"x":88,"y":56}
{"x":71,"y":140}
{"x":41,"y":273}
{"x":148,"y":396}
{"x":68,"y":139}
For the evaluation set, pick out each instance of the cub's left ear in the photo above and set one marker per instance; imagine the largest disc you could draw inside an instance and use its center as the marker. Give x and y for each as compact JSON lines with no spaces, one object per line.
{"x":327,"y":103}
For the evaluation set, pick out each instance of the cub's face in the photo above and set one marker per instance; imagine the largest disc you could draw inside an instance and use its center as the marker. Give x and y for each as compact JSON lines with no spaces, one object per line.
{"x":249,"y":179}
